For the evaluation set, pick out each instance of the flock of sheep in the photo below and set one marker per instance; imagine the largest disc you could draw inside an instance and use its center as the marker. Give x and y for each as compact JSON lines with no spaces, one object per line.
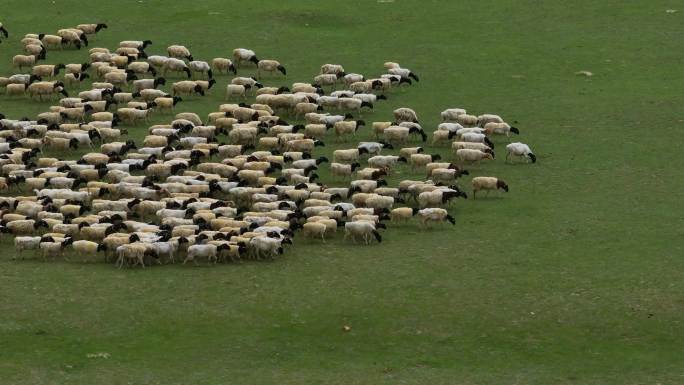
{"x":183,"y":194}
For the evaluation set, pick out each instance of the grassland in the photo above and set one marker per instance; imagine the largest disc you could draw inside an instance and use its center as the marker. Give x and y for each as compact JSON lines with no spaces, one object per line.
{"x":574,"y":277}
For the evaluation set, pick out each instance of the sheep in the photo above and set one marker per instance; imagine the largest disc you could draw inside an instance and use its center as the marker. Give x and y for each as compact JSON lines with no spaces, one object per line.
{"x":269,"y":66}
{"x":25,"y":227}
{"x":61,"y":144}
{"x":347,"y":127}
{"x":421,"y":160}
{"x":440,"y":136}
{"x":46,"y":88}
{"x":451,"y":114}
{"x":179,"y":52}
{"x":53,"y":248}
{"x":15,"y":89}
{"x":373,"y":148}
{"x":302,"y":145}
{"x":72,"y":79}
{"x":132,"y":115}
{"x":483,"y":119}
{"x":438,"y":197}
{"x":158,"y":61}
{"x":119,"y":78}
{"x":467,"y":120}
{"x":397,"y":134}
{"x":487,"y":183}
{"x":468,"y":155}
{"x":305,"y":108}
{"x":187,"y":87}
{"x":244,"y":55}
{"x":91,"y":29}
{"x":175,"y":65}
{"x":332,"y":69}
{"x":223,"y":65}
{"x":3,"y":31}
{"x":447,"y":175}
{"x":201,"y":67}
{"x":237,"y":90}
{"x":362,"y":229}
{"x":402,"y":214}
{"x":379,"y":128}
{"x":403,"y":72}
{"x":434,"y":215}
{"x":405,"y":114}
{"x":26,"y":243}
{"x":139,"y":44}
{"x":21,"y":61}
{"x":327,"y":80}
{"x":385,"y":161}
{"x":353,"y":104}
{"x":343,"y":170}
{"x":85,"y":248}
{"x":134,"y":252}
{"x":520,"y":150}
{"x":314,"y":230}
{"x":379,"y":202}
{"x":500,"y":128}
{"x":146,"y":84}
{"x":455,"y":146}
{"x":366,"y":185}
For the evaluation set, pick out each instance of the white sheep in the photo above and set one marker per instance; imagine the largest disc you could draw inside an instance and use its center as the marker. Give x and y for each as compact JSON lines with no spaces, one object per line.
{"x":468,"y":155}
{"x":520,"y":150}
{"x":488,"y":183}
{"x":434,"y":214}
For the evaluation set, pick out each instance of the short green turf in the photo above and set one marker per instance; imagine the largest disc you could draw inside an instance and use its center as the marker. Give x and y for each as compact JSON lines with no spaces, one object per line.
{"x":573,"y":277}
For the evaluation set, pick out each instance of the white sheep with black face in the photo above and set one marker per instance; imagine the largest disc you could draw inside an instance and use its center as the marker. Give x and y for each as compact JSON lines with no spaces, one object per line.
{"x":520,"y":150}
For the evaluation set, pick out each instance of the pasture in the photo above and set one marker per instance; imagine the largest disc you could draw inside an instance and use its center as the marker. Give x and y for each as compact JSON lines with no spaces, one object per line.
{"x":573,"y":277}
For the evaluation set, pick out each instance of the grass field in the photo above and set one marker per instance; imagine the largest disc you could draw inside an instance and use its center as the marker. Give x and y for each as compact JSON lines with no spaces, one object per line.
{"x":574,"y":277}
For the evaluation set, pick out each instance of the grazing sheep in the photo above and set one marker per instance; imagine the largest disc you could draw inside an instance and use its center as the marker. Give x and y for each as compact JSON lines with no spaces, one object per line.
{"x":343,"y":170}
{"x":243,"y":55}
{"x":487,"y":118}
{"x":488,"y":183}
{"x":438,"y":197}
{"x":186,"y":87}
{"x":327,"y":80}
{"x":434,"y":214}
{"x":332,"y":69}
{"x":451,"y":114}
{"x":201,"y":67}
{"x":347,"y":127}
{"x":440,"y":136}
{"x":269,"y":66}
{"x":500,"y":129}
{"x":470,"y":145}
{"x":467,"y":120}
{"x":21,"y":61}
{"x":402,"y":214}
{"x":237,"y":90}
{"x":179,"y":52}
{"x":361,"y":229}
{"x":477,"y":138}
{"x":71,"y":79}
{"x":520,"y":150}
{"x":15,"y":89}
{"x":223,"y":65}
{"x":405,"y":114}
{"x":468,"y":155}
{"x":146,"y":84}
{"x":315,"y":229}
{"x":403,"y":72}
{"x":175,"y":65}
{"x":91,"y":29}
{"x":3,"y":31}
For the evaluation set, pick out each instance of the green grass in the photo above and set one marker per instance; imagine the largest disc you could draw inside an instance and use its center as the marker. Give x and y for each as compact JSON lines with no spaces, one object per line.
{"x":574,"y":277}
